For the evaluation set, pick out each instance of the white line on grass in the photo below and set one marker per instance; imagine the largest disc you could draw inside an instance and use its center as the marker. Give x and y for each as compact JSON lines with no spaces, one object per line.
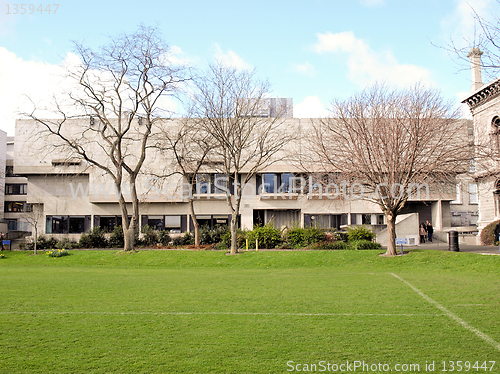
{"x":452,"y":315}
{"x":230,"y":313}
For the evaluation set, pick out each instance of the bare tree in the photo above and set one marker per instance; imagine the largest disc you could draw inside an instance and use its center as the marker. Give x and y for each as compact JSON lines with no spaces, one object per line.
{"x":485,"y":37}
{"x":391,"y":141}
{"x":231,"y":106}
{"x":32,"y":215}
{"x":119,"y":101}
{"x":190,"y":147}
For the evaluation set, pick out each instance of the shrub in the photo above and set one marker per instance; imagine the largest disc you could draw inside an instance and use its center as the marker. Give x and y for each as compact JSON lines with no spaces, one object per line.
{"x":313,"y":235}
{"x":298,"y":237}
{"x":489,"y":235}
{"x":364,"y":244}
{"x":241,"y":239}
{"x":150,"y":236}
{"x":26,"y":246}
{"x":341,"y":236}
{"x":339,"y":245}
{"x":64,"y":243}
{"x":138,"y":240}
{"x":205,"y":235}
{"x":74,"y":245}
{"x":359,"y":233}
{"x":295,"y":237}
{"x":43,"y":243}
{"x":267,"y":235}
{"x":116,"y":239}
{"x":58,"y":253}
{"x":85,"y":241}
{"x":164,"y":237}
{"x":97,"y":238}
{"x":186,"y":239}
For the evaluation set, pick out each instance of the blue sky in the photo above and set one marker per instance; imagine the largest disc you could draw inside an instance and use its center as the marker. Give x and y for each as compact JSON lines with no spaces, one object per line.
{"x":312,"y":51}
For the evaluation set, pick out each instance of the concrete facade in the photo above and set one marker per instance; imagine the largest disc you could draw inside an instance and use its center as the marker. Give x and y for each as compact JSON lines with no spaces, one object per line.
{"x":75,"y":196}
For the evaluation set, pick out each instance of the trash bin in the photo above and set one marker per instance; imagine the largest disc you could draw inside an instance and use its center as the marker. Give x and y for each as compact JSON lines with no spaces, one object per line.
{"x":453,"y":241}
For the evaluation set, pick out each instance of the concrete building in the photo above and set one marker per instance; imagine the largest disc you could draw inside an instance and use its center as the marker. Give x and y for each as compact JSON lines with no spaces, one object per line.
{"x":74,"y":196}
{"x":3,"y":157}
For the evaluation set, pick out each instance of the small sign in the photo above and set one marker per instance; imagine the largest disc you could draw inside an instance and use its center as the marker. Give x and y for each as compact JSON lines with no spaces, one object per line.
{"x":6,"y":242}
{"x":401,"y":241}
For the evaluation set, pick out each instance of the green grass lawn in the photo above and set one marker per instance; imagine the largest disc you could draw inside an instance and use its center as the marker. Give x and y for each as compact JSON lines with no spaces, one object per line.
{"x":206,"y":312}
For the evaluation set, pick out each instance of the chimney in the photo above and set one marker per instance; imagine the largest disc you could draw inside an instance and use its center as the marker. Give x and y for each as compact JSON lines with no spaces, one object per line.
{"x":475,"y":63}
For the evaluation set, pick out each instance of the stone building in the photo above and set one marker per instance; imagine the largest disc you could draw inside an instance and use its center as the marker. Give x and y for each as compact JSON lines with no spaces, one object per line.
{"x":484,"y":103}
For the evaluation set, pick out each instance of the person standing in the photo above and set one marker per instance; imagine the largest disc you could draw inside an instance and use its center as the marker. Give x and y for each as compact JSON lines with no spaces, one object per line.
{"x":430,"y":230}
{"x":422,"y":233}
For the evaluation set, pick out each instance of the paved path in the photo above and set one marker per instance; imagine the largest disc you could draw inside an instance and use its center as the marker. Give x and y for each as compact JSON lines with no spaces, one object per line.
{"x":442,"y":246}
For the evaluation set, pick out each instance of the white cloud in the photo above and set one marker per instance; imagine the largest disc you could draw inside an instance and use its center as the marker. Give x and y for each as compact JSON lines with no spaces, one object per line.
{"x":231,"y":59}
{"x":41,"y":82}
{"x":367,"y":66}
{"x":19,"y":79}
{"x":372,"y":3}
{"x":305,"y":68}
{"x":461,"y":22}
{"x":464,"y":108}
{"x":176,"y":56}
{"x":311,"y":107}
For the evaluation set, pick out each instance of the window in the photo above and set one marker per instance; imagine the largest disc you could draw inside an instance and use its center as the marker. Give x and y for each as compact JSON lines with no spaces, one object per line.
{"x":380,"y":219}
{"x":12,"y":224}
{"x":287,"y":182}
{"x":324,"y":221}
{"x":473,"y":195}
{"x":65,"y":162}
{"x":66,"y":224}
{"x":276,"y":182}
{"x":220,"y":183}
{"x":213,"y":183}
{"x":366,"y":219}
{"x":107,"y":223}
{"x":156,"y":222}
{"x":76,"y":225}
{"x":203,"y":183}
{"x":59,"y":224}
{"x":17,"y":206}
{"x":9,"y":171}
{"x":173,"y":223}
{"x":472,"y":167}
{"x":268,"y":183}
{"x":16,"y":189}
{"x":495,"y":124}
{"x":458,"y":196}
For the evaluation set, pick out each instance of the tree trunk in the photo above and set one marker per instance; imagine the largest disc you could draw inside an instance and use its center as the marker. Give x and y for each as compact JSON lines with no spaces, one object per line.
{"x":36,"y":238}
{"x":391,"y":234}
{"x":195,"y":224}
{"x":129,"y":228}
{"x":128,"y":238}
{"x":234,"y":233}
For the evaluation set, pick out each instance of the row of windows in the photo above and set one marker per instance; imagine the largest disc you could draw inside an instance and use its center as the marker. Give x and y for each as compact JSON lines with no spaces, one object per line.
{"x":213,"y":183}
{"x":67,"y":224}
